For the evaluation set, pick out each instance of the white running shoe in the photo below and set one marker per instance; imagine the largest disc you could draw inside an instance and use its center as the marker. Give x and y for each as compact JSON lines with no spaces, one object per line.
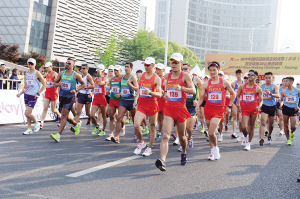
{"x":240,"y":138}
{"x":147,"y":152}
{"x":109,"y":137}
{"x":180,"y":149}
{"x":28,"y":132}
{"x":217,"y":153}
{"x":176,"y":142}
{"x":36,"y":127}
{"x":247,"y":147}
{"x":282,"y":133}
{"x":122,"y":134}
{"x":139,"y":148}
{"x":211,"y":157}
{"x":220,"y":137}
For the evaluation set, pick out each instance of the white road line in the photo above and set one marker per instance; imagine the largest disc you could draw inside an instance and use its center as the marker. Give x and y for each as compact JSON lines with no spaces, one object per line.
{"x":8,"y":142}
{"x":104,"y":166}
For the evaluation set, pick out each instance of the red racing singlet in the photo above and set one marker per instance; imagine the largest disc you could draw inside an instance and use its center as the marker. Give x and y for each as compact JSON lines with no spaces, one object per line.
{"x":162,"y":99}
{"x":176,"y":98}
{"x":150,"y":85}
{"x":216,"y":93}
{"x":249,"y":96}
{"x":50,"y":79}
{"x":99,"y":90}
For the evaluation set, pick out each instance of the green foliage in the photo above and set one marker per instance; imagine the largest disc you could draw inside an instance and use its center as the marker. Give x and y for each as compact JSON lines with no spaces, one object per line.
{"x":40,"y":59}
{"x":9,"y":52}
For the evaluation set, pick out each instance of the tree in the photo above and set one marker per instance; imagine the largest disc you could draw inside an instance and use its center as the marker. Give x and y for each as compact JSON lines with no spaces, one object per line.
{"x":40,"y":59}
{"x":9,"y":52}
{"x":110,"y":53}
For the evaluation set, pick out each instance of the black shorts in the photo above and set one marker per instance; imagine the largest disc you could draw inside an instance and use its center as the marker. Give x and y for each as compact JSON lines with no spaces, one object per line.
{"x":270,"y":110}
{"x":191,"y":110}
{"x":289,"y":111}
{"x":66,"y":102}
{"x":84,"y":98}
{"x":107,"y":98}
{"x":203,"y":103}
{"x":278,"y":105}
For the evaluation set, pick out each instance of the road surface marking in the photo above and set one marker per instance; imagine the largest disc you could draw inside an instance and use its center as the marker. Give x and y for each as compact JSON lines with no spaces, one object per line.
{"x":8,"y":142}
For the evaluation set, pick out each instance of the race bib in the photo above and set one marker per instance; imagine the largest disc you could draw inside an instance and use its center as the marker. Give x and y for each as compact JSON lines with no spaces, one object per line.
{"x":125,"y":92}
{"x":66,"y":86}
{"x":215,"y":96}
{"x":174,"y":95}
{"x":115,"y":90}
{"x":142,"y":92}
{"x":236,"y":91}
{"x":98,"y":90}
{"x":248,"y":97}
{"x":49,"y":86}
{"x":190,"y":96}
{"x":266,"y":96}
{"x":29,"y":82}
{"x":290,"y":99}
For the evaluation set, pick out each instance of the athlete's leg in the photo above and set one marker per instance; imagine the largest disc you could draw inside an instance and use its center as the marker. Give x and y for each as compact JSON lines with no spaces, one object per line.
{"x":202,"y":117}
{"x":264,"y":118}
{"x":45,"y":110}
{"x":30,"y":116}
{"x":160,"y":121}
{"x":270,"y":124}
{"x":213,"y":124}
{"x":252,"y":127}
{"x":64,"y":116}
{"x":53,"y":108}
{"x":240,"y":119}
{"x":182,"y":138}
{"x":88,"y":110}
{"x":78,"y":111}
{"x":293,"y":122}
{"x":245,"y":120}
{"x":112,"y":113}
{"x":132,"y":114}
{"x":152,"y":121}
{"x":190,"y":122}
{"x":104,"y":121}
{"x":221,"y":125}
{"x":120,"y":117}
{"x":280,"y":115}
{"x":286,"y":126}
{"x":164,"y":144}
{"x":73,"y":110}
{"x":93,"y":112}
{"x":234,"y":114}
{"x":138,"y":118}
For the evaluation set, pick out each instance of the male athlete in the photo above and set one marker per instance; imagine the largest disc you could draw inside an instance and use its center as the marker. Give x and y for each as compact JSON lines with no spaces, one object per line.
{"x":235,"y":114}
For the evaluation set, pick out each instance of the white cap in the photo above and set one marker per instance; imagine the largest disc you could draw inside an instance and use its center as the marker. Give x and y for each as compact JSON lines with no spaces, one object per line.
{"x":100,"y":67}
{"x":226,"y":77}
{"x":206,"y":76}
{"x":149,"y":60}
{"x":31,"y":60}
{"x":111,"y":67}
{"x":105,"y":71}
{"x":48,"y":64}
{"x":177,"y":57}
{"x":221,"y":72}
{"x":117,"y":67}
{"x":160,"y":66}
{"x":245,"y":75}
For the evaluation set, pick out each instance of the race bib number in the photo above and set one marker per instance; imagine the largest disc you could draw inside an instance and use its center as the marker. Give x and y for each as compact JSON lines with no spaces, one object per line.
{"x":29,"y":82}
{"x":290,"y":99}
{"x":66,"y":86}
{"x":125,"y":92}
{"x":266,"y":96}
{"x":174,"y":95}
{"x":49,"y":86}
{"x":142,"y":92}
{"x":236,"y":91}
{"x":215,"y":96}
{"x":115,"y":90}
{"x":190,"y":96}
{"x":248,"y":97}
{"x":98,"y":90}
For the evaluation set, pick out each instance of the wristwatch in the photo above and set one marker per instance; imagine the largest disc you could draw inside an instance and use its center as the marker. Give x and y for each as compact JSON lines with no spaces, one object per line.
{"x":38,"y":94}
{"x":150,"y":93}
{"x":229,"y":106}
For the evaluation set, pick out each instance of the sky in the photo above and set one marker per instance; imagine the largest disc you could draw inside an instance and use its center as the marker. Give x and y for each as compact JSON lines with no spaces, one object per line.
{"x":289,"y":30}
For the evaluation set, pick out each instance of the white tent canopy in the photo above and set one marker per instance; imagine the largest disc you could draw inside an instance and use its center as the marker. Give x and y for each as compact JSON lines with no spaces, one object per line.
{"x":196,"y":70}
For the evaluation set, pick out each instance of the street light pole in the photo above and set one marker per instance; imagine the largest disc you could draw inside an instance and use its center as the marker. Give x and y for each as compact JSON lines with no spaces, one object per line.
{"x":251,"y":34}
{"x":167,"y":32}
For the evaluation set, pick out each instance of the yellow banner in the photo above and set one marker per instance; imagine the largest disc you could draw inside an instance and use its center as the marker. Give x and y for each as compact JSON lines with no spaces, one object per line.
{"x":277,"y":63}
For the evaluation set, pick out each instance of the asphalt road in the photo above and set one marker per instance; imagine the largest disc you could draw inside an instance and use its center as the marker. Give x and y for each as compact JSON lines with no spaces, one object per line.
{"x":86,"y":166}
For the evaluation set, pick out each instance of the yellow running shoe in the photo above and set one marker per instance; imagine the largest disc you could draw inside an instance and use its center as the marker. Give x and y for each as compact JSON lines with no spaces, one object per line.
{"x":289,"y":142}
{"x":55,"y":137}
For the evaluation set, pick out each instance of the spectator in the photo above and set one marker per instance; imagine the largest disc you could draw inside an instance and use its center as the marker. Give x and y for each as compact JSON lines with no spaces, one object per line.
{"x":3,"y":75}
{"x":14,"y":85}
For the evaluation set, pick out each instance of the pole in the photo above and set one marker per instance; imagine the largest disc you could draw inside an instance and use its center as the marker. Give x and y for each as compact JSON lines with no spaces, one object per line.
{"x":145,"y":17}
{"x":167,"y":33}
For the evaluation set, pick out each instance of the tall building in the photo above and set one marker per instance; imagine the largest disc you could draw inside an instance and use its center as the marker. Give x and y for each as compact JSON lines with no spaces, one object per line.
{"x":220,"y":26}
{"x":66,"y":28}
{"x":143,"y":18}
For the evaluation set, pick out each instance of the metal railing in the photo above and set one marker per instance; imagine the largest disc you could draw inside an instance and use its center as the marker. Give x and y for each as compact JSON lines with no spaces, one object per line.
{"x":11,"y":84}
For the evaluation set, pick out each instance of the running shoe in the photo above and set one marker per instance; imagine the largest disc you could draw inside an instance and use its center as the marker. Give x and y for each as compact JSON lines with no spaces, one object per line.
{"x":226,"y":128}
{"x":139,"y":148}
{"x":88,"y":121}
{"x":269,"y":140}
{"x":220,"y":137}
{"x":266,"y":133}
{"x":127,"y":121}
{"x":146,"y":131}
{"x":130,"y":121}
{"x":180,"y":149}
{"x":41,"y":125}
{"x":289,"y":142}
{"x":211,"y":157}
{"x":147,"y":152}
{"x":173,"y":136}
{"x":217,"y":153}
{"x":197,"y":127}
{"x":59,"y":121}
{"x":135,"y":139}
{"x":28,"y":132}
{"x":244,"y":142}
{"x":95,"y":130}
{"x":183,"y":159}
{"x":122,"y":134}
{"x":101,"y":132}
{"x":158,"y":136}
{"x":176,"y":142}
{"x":233,"y":135}
{"x":72,"y":129}
{"x":276,"y":119}
{"x":207,"y":140}
{"x":247,"y":147}
{"x":256,"y":124}
{"x":240,"y":138}
{"x":281,"y":133}
{"x":292,"y":136}
{"x":55,"y":137}
{"x":191,"y":143}
{"x":160,"y":164}
{"x":108,"y":138}
{"x":115,"y":139}
{"x":36,"y":127}
{"x":261,"y":142}
{"x":202,"y":130}
{"x":77,"y":128}
{"x":206,"y":133}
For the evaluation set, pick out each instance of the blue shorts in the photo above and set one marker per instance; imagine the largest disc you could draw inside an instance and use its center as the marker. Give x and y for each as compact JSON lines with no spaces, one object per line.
{"x":29,"y":100}
{"x":66,"y":102}
{"x":83,"y":98}
{"x":191,"y":110}
{"x":128,"y":104}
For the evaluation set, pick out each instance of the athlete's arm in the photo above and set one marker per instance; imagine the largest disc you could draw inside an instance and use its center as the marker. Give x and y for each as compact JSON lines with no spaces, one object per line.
{"x":57,"y":82}
{"x":190,"y":89}
{"x":40,"y":78}
{"x":238,"y":95}
{"x":228,"y":87}
{"x":198,"y":83}
{"x":203,"y":88}
{"x":259,"y":93}
{"x":133,"y":83}
{"x":281,"y":99}
{"x":90,"y":80}
{"x":23,"y":90}
{"x":158,"y":88}
{"x":79,"y":79}
{"x":276,"y":92}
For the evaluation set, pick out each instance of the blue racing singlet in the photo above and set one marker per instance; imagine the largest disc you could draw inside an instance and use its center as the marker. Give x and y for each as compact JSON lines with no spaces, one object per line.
{"x":32,"y":84}
{"x":69,"y":83}
{"x":268,"y":100}
{"x":127,"y":91}
{"x":236,"y":86}
{"x":291,"y":99}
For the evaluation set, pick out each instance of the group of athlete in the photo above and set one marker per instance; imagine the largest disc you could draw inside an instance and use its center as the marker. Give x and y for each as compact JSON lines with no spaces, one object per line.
{"x":177,"y":99}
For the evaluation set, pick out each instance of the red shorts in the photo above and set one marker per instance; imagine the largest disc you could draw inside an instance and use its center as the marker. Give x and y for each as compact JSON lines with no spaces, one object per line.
{"x":249,"y":110}
{"x":149,"y":109}
{"x":179,"y":113}
{"x":161,"y":106}
{"x":99,"y":101}
{"x":52,"y":96}
{"x":214,"y":112}
{"x":114,"y":103}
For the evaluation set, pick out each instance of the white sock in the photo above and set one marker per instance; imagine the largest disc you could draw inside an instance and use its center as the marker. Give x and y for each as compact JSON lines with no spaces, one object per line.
{"x":212,"y":151}
{"x":58,"y":135}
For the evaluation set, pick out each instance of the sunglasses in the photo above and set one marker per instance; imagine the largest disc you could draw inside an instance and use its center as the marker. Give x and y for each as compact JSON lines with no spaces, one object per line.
{"x":83,"y":68}
{"x":184,"y":68}
{"x":68,"y":63}
{"x":30,"y":63}
{"x":175,"y":62}
{"x":250,"y":74}
{"x":148,"y":65}
{"x":245,"y":77}
{"x":110,"y":71}
{"x":105,"y":73}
